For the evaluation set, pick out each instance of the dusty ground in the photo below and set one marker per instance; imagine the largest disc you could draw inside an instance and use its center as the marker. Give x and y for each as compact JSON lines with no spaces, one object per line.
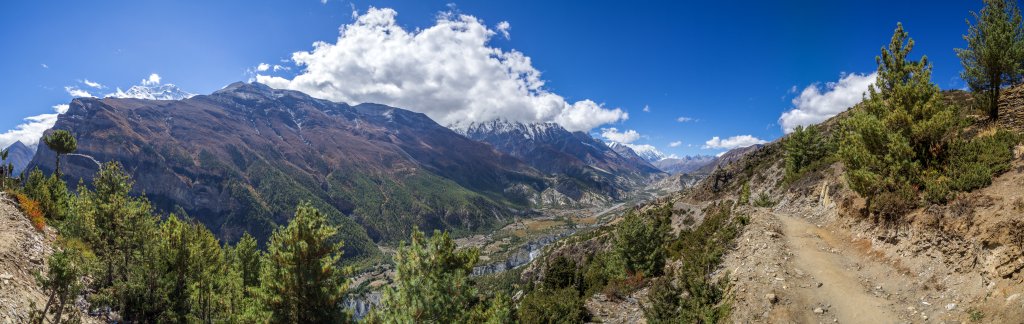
{"x":23,"y":252}
{"x":811,"y":259}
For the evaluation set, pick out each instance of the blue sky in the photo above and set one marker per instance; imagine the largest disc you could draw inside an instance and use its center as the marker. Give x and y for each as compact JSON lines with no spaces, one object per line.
{"x":732,"y":68}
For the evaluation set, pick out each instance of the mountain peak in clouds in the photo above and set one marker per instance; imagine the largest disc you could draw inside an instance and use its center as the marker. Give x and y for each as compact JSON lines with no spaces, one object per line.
{"x":153,"y":91}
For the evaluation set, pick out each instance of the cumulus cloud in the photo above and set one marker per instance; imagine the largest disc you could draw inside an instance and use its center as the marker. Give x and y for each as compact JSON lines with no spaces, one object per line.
{"x":446,"y":71}
{"x":647,"y":108}
{"x":675,"y":144}
{"x":32,"y":129}
{"x":262,"y":67}
{"x":684,"y":119}
{"x":44,"y":65}
{"x":732,"y":142}
{"x":613,"y":134}
{"x":816,"y":104}
{"x":152,"y":80}
{"x":77,"y":92}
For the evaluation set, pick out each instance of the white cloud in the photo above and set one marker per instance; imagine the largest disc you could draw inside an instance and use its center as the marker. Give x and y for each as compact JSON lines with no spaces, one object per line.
{"x":96,"y":85}
{"x":814,"y":106}
{"x":675,"y":144}
{"x":44,"y":65}
{"x":446,"y":71}
{"x":732,"y":142}
{"x":262,"y":67}
{"x":613,"y":134}
{"x":32,"y":129}
{"x":503,"y":28}
{"x":278,"y":67}
{"x":154,"y":79}
{"x":76,"y":92}
{"x":684,"y":119}
{"x":721,"y":153}
{"x":647,"y":108}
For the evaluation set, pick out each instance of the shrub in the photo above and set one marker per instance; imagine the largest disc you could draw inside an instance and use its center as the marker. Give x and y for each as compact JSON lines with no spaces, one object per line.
{"x":662,"y":302}
{"x":973,"y":163}
{"x":552,"y":306}
{"x":32,"y":210}
{"x":764,"y":200}
{"x":640,"y":237}
{"x":744,"y":194}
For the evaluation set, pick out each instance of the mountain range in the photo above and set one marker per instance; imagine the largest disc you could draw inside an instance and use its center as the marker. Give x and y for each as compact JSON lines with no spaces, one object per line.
{"x":240,"y":159}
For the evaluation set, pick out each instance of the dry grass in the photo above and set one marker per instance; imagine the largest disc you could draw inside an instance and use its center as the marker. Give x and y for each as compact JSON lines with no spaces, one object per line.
{"x":32,"y":210}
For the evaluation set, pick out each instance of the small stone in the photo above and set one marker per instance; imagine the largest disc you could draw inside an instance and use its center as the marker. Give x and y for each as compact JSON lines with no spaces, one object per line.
{"x":820,"y":284}
{"x":924,"y":317}
{"x":1012,"y":298}
{"x":772,"y":298}
{"x":950,"y":307}
{"x":819,"y":310}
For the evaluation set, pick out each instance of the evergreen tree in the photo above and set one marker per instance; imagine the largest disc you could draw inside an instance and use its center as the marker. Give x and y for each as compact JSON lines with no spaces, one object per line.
{"x":61,"y":142}
{"x":640,"y":238}
{"x":432,"y":286}
{"x":803,"y":147}
{"x":62,"y":284}
{"x":903,"y":127}
{"x":662,"y":301}
{"x":995,"y":51}
{"x":301,"y":281}
{"x":248,"y":258}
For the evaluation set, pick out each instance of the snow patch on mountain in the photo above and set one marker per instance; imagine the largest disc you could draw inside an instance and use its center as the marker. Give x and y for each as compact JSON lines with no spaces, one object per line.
{"x":646,"y":151}
{"x":153,"y":92}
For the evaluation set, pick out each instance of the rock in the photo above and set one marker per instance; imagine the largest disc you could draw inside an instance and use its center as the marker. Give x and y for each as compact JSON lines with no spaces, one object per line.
{"x":1012,"y":298}
{"x":772,"y":298}
{"x":819,"y":311}
{"x":950,"y":307}
{"x":820,"y":284}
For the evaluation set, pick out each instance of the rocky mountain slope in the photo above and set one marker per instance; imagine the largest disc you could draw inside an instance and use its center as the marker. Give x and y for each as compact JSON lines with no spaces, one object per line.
{"x":240,"y":159}
{"x":582,"y":166}
{"x":23,"y":253}
{"x":19,"y":155}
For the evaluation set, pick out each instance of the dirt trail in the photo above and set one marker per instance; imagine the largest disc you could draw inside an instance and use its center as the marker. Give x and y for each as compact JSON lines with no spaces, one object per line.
{"x":840,"y":293}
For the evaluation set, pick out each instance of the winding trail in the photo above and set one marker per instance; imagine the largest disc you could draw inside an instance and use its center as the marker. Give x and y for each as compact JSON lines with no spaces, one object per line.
{"x":849,"y":300}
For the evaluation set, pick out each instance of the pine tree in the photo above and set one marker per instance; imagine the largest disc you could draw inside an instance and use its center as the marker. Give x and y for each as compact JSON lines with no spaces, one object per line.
{"x":61,"y":142}
{"x":640,"y":238}
{"x":995,"y":51}
{"x":248,"y":258}
{"x":301,"y":281}
{"x":903,"y":127}
{"x":62,"y":284}
{"x":432,"y":286}
{"x":803,"y":147}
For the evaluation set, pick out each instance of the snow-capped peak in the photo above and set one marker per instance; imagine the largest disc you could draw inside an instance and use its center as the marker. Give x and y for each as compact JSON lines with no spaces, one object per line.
{"x":501,"y":126}
{"x":153,"y":91}
{"x":646,"y":151}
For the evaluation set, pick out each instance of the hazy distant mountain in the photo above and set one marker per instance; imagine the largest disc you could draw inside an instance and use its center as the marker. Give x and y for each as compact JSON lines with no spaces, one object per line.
{"x":580,"y":162}
{"x":241,"y":158}
{"x":20,"y":155}
{"x":686,"y":164}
